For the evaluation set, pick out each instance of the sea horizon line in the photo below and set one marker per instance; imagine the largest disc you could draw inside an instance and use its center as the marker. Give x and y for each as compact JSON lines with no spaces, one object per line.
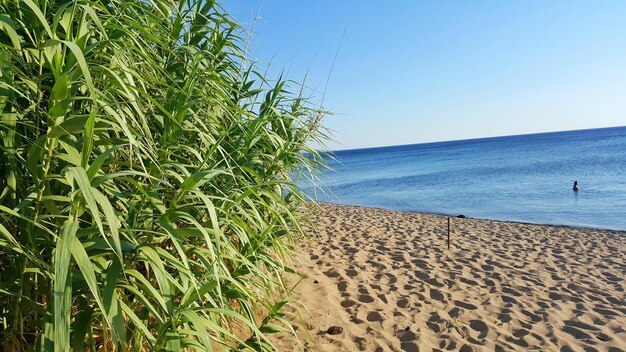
{"x":466,"y":139}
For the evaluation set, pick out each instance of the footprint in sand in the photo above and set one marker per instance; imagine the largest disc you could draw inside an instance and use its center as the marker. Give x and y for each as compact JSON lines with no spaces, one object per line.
{"x":533,"y":317}
{"x":407,"y":336}
{"x":409,"y":347}
{"x":509,"y":300}
{"x":331,"y":273}
{"x":434,"y":282}
{"x":465,"y":305}
{"x":435,"y":323}
{"x":520,"y":333}
{"x":575,"y":329}
{"x":383,"y":298}
{"x":465,"y":348}
{"x":480,"y":326}
{"x":490,"y":283}
{"x":511,"y":291}
{"x":342,"y":285}
{"x":374,"y":316}
{"x":363,"y":298}
{"x":351,"y":273}
{"x":402,"y":302}
{"x":602,"y":337}
{"x":436,"y":295}
{"x":468,"y":281}
{"x":519,"y":341}
{"x":347,"y":303}
{"x":356,"y":320}
{"x":455,"y":312}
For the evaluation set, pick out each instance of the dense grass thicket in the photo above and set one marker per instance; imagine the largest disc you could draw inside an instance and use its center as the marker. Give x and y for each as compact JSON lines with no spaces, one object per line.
{"x":146,"y":201}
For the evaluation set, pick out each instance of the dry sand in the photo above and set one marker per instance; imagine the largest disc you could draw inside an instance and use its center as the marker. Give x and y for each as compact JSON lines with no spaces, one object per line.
{"x":388,"y":280}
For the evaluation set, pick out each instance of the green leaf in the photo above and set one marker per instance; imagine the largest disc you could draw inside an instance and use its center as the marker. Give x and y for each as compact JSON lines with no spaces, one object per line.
{"x":4,"y":232}
{"x":99,"y":161}
{"x":200,"y":327}
{"x":8,"y":26}
{"x":82,"y":63}
{"x":87,"y":272}
{"x":63,"y":286}
{"x":172,"y":341}
{"x":270,"y":329}
{"x":149,"y":288}
{"x":90,"y":194}
{"x":40,"y":16}
{"x":198,"y":179}
{"x":60,"y":90}
{"x":72,"y":156}
{"x":88,"y":143}
{"x":112,"y":219}
{"x":82,"y":324}
{"x":69,"y":126}
{"x":100,"y":244}
{"x":111,"y":304}
{"x":193,"y":294}
{"x":137,"y":322}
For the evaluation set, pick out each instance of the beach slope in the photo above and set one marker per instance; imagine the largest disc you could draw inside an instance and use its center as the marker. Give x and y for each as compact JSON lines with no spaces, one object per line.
{"x":388,"y":281}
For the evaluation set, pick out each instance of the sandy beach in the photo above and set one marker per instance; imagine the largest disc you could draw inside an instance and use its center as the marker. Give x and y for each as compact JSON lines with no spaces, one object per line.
{"x":388,"y":281}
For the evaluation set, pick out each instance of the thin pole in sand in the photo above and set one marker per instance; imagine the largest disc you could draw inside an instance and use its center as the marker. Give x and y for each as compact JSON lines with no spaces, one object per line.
{"x":448,"y":232}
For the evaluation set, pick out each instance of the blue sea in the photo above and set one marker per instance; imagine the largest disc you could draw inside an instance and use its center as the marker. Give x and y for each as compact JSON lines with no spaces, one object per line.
{"x":526,"y":178}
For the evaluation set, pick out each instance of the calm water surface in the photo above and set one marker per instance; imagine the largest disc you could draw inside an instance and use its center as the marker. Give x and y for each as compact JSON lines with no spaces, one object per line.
{"x":525,"y":178}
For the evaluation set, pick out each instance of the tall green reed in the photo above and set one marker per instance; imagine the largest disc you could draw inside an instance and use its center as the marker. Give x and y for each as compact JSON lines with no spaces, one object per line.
{"x":146,"y":199}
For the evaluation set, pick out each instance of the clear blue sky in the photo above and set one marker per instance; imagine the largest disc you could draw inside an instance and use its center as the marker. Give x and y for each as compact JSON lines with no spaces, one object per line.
{"x":422,"y":71}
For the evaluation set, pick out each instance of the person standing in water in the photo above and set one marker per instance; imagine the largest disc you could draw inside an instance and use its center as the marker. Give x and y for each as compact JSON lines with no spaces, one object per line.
{"x":576,"y":188}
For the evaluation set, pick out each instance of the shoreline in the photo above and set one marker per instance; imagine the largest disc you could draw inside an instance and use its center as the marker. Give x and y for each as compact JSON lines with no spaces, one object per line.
{"x":387,"y":280}
{"x":574,"y":227}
